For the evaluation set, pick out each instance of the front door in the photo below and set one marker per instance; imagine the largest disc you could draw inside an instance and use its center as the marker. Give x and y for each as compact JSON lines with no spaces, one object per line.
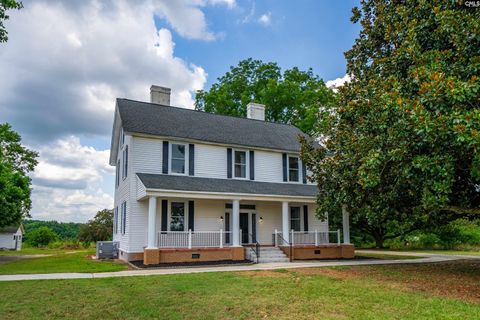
{"x":244,"y":226}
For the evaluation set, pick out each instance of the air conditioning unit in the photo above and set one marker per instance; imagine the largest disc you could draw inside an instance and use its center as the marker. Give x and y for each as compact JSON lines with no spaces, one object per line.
{"x":107,"y":249}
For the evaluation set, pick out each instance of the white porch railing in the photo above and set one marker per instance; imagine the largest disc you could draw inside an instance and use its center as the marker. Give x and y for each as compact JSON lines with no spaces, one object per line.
{"x":307,"y":237}
{"x":194,"y":239}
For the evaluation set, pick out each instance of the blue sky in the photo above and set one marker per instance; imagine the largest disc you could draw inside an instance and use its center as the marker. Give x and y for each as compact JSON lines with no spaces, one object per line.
{"x":306,"y":34}
{"x":67,"y":61}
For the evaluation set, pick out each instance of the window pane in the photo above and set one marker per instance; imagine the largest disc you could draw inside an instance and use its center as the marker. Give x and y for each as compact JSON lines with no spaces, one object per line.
{"x":177,"y":222}
{"x":296,"y":225}
{"x":178,"y":166}
{"x":293,"y":175}
{"x":295,"y":218}
{"x":240,"y":157}
{"x":293,"y":163}
{"x":178,"y":151}
{"x":240,"y":171}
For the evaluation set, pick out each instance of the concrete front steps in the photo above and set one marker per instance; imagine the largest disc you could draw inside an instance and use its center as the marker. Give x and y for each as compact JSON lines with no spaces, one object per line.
{"x":267,"y":254}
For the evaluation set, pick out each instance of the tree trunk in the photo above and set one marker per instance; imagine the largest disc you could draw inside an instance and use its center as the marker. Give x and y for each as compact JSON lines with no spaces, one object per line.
{"x":379,"y":242}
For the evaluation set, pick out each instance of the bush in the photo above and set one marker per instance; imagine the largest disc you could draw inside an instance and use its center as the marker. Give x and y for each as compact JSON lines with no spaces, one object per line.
{"x":42,"y":237}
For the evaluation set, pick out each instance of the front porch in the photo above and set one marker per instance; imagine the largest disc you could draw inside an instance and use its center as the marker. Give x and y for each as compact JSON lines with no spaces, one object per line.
{"x":199,"y":230}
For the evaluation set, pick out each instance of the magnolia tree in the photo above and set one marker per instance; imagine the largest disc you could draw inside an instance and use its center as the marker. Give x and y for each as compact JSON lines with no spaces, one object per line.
{"x":402,"y":147}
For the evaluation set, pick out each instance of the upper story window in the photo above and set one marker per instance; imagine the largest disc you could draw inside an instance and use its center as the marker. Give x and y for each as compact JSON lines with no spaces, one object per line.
{"x":240,"y":164}
{"x":117,"y":174}
{"x":177,"y":160}
{"x":293,"y":169}
{"x":122,"y":137}
{"x":125,"y":162}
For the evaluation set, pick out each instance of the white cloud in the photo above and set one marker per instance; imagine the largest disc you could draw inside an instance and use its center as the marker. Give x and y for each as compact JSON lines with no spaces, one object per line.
{"x":333,"y":84}
{"x":61,"y":70}
{"x":62,"y":77}
{"x":265,"y":19}
{"x":67,"y":183}
{"x":187,"y":18}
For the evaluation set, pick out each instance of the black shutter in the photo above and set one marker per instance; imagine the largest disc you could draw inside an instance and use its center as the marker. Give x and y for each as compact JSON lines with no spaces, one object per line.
{"x":229,"y":163}
{"x":191,"y":159}
{"x":305,"y":218}
{"x":284,"y":158}
{"x":164,"y":214}
{"x":191,"y":215}
{"x":304,"y":172}
{"x":165,"y":159}
{"x":252,"y":165}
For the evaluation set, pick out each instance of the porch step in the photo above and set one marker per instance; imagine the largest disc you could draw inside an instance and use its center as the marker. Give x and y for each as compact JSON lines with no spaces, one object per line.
{"x":268,"y":254}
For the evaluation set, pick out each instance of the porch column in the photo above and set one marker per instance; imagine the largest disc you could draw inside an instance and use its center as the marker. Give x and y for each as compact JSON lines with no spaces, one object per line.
{"x":236,"y":223}
{"x":346,"y":225}
{"x":152,"y":214}
{"x":285,"y":231}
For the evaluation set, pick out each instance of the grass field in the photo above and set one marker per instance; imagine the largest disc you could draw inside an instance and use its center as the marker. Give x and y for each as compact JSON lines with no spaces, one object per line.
{"x":60,"y":261}
{"x":385,"y":256}
{"x":426,"y":291}
{"x":448,"y":252}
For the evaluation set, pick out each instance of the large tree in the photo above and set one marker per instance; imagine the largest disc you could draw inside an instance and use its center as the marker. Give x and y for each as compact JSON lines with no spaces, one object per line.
{"x":99,"y":228}
{"x":4,"y":6}
{"x":401,"y":149}
{"x":292,"y":97}
{"x":16,"y":162}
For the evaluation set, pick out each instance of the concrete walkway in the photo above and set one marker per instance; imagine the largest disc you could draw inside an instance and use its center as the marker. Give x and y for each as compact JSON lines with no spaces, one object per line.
{"x":260,"y":266}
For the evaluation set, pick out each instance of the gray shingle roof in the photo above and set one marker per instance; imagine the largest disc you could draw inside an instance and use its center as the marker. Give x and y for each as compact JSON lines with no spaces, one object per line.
{"x":156,"y":119}
{"x":185,"y":183}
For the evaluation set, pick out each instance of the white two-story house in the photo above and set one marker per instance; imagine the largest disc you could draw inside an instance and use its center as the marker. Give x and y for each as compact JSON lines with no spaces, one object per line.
{"x":194,"y":186}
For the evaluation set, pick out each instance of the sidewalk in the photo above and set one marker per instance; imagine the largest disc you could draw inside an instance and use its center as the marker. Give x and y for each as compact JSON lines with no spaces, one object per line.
{"x":260,"y":266}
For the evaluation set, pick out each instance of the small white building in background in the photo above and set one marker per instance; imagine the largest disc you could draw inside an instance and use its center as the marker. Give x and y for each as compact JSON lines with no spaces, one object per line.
{"x":11,"y":237}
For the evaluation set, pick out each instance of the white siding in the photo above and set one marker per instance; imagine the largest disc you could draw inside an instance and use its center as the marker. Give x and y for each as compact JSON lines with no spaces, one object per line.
{"x":6,"y":241}
{"x":210,"y":161}
{"x":268,"y":166}
{"x":147,"y":157}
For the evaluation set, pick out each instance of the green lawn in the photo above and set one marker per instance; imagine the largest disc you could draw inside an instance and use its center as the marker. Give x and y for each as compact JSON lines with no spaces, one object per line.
{"x":314,"y":293}
{"x":385,"y":256}
{"x":30,"y":251}
{"x":450,"y":252}
{"x":60,"y":261}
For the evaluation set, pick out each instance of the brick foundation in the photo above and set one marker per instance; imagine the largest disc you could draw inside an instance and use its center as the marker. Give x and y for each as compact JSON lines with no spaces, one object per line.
{"x":156,"y":256}
{"x":311,"y":252}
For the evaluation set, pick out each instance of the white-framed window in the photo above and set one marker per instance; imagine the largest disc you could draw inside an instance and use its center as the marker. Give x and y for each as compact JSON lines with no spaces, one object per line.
{"x":178,"y":158}
{"x":125,"y":163}
{"x":177,"y":216}
{"x":293,"y":169}
{"x":117,"y":174}
{"x":295,"y":218}
{"x":240,"y":164}
{"x":122,"y":138}
{"x":115,"y":220}
{"x":124,"y":217}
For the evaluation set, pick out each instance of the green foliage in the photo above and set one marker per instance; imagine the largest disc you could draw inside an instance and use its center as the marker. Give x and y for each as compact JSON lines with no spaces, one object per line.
{"x":16,"y":162}
{"x":99,"y":228}
{"x":4,"y":6}
{"x":293,"y":97}
{"x":64,"y":230}
{"x":401,"y":148}
{"x":42,"y":237}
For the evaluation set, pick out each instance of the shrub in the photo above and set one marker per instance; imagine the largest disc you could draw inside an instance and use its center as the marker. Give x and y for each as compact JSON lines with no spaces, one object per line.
{"x":41,"y":237}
